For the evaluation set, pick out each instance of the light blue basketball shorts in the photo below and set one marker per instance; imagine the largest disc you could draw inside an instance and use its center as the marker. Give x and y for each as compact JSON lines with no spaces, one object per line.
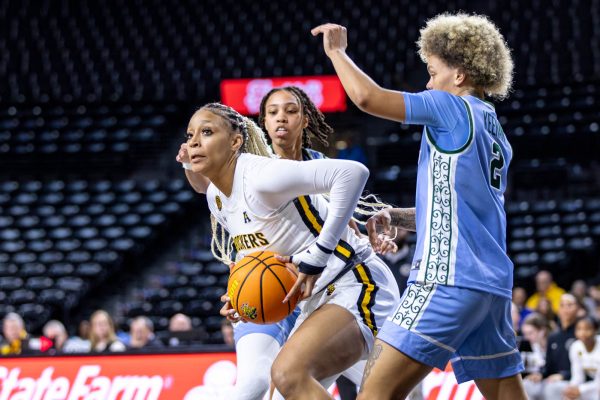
{"x":280,"y":331}
{"x":435,"y":324}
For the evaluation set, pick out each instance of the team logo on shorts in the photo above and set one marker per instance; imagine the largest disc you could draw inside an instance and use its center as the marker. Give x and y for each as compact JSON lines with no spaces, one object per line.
{"x":330,"y":289}
{"x":246,"y":218}
{"x":248,"y":311}
{"x":219,"y":202}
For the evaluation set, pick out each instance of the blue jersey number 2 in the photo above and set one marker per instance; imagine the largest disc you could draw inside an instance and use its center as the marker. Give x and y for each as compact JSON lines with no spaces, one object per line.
{"x":496,"y":166}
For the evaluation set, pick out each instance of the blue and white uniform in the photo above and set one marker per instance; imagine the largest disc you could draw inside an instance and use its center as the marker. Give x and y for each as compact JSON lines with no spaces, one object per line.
{"x":457,"y":305}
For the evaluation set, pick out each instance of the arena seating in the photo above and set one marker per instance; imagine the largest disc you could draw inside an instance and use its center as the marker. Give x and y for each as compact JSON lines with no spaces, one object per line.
{"x":193,"y":287}
{"x":60,"y":239}
{"x":87,"y":137}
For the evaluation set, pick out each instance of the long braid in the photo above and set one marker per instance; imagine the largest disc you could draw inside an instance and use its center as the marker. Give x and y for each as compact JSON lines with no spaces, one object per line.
{"x":221,"y":245}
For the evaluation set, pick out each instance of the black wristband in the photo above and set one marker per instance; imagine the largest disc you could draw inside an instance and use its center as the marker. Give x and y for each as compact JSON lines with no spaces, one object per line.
{"x":309,"y":269}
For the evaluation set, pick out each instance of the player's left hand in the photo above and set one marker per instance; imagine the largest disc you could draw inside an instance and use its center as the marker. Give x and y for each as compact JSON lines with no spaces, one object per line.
{"x":228,"y":311}
{"x":304,"y":283}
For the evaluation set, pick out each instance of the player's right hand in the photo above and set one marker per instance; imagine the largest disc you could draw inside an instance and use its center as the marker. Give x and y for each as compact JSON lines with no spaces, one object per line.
{"x":387,"y":245}
{"x":381,"y":219}
{"x":183,"y":156}
{"x":228,"y":311}
{"x":335,"y":37}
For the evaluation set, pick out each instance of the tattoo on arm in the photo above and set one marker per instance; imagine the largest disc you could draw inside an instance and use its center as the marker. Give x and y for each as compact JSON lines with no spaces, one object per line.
{"x":375,"y":353}
{"x":404,"y":218}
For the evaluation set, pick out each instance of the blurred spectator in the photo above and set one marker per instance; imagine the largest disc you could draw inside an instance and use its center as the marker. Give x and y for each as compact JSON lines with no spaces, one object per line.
{"x":594,"y":292}
{"x":544,"y":308}
{"x":519,"y":297}
{"x":102,"y":335}
{"x":533,"y":349}
{"x":181,"y":332}
{"x":16,"y":338}
{"x":83,"y":330}
{"x":227,"y":331}
{"x":55,"y":331}
{"x":142,"y":334}
{"x":180,"y":323}
{"x":579,"y":289}
{"x":545,"y":288}
{"x":584,"y":355}
{"x":557,"y":371}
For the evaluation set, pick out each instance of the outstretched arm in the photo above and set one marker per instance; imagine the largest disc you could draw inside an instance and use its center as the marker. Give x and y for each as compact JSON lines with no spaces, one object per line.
{"x":404,"y":218}
{"x":344,"y":181}
{"x":362,"y":90}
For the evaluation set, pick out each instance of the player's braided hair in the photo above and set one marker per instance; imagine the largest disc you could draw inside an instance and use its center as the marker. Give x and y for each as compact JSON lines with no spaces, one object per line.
{"x":254,"y":139}
{"x":221,"y":244}
{"x":316,"y":127}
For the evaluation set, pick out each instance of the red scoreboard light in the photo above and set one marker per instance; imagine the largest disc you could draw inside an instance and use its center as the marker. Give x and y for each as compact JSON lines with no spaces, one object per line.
{"x":244,"y":95}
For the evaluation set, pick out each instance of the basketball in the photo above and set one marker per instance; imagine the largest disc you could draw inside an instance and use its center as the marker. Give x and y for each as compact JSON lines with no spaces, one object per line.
{"x":257,"y":285}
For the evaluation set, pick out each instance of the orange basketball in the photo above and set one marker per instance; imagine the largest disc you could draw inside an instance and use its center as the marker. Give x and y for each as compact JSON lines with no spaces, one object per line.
{"x":257,"y":285}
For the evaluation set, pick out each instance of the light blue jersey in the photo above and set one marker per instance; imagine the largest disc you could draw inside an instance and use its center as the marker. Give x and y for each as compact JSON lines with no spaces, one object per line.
{"x":461,"y":222}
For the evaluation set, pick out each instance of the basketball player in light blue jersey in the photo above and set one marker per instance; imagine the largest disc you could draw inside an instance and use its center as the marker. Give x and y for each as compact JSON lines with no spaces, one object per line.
{"x":457,"y":305}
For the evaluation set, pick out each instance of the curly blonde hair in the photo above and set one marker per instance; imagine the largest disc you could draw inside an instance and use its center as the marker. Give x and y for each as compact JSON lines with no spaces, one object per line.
{"x":474,"y":44}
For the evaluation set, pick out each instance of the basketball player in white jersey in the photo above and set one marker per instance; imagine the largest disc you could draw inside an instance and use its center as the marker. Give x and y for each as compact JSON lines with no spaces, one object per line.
{"x":290,"y":119}
{"x":273,"y":204}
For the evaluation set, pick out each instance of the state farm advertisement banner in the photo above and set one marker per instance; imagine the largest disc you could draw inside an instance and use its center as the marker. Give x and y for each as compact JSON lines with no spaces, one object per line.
{"x":244,"y":95}
{"x":207,"y":376}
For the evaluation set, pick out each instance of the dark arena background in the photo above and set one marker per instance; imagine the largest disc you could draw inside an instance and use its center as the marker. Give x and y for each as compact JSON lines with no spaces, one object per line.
{"x":96,"y":214}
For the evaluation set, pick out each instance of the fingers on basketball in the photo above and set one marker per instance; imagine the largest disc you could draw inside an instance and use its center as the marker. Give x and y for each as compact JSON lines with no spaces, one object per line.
{"x":258,"y":284}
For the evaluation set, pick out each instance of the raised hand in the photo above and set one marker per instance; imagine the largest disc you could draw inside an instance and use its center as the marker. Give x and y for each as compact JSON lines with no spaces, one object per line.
{"x":335,"y":37}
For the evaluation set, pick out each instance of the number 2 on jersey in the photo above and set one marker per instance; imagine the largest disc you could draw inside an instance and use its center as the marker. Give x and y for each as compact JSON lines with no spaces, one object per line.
{"x":496,"y":165}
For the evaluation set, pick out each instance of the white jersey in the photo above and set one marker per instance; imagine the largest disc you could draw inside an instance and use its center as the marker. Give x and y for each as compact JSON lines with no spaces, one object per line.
{"x":585,"y":366}
{"x":274,"y":206}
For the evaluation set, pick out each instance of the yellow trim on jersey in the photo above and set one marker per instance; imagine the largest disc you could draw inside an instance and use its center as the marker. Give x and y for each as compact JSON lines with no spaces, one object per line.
{"x":308,"y":213}
{"x":367,"y":296}
{"x":343,"y":249}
